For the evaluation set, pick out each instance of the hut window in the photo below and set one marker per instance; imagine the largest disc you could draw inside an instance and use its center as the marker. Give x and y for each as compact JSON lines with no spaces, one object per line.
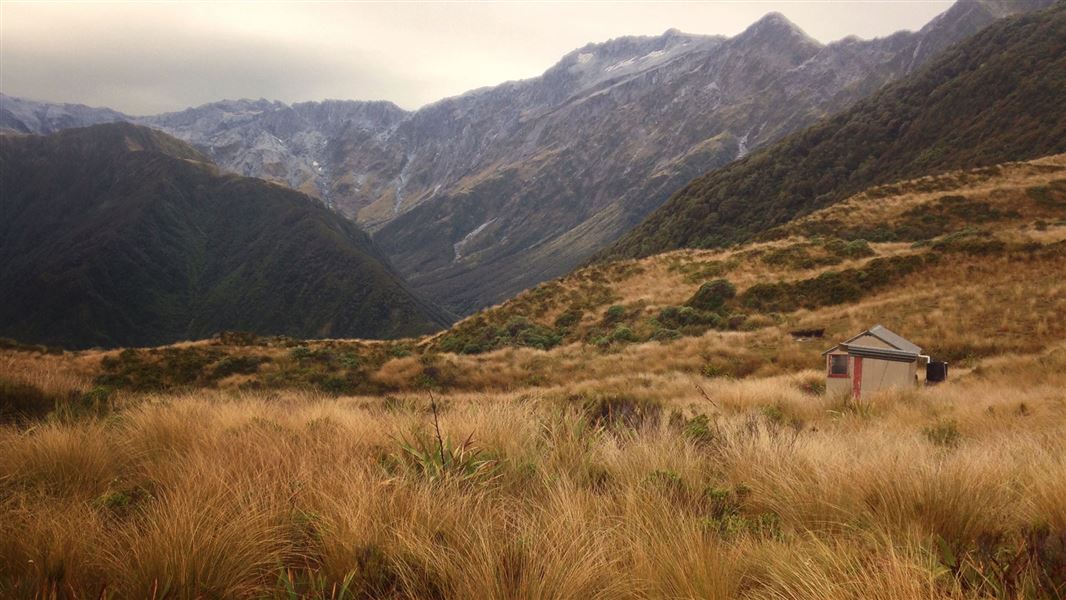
{"x":838,"y":365}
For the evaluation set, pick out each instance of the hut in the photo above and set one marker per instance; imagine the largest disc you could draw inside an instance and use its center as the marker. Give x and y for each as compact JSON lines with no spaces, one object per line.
{"x":874,"y":360}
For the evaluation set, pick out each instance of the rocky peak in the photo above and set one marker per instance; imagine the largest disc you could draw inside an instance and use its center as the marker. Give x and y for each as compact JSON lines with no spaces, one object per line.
{"x":776,"y":30}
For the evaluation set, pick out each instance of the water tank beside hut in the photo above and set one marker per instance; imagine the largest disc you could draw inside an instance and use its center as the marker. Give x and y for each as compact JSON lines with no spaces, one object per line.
{"x":936,"y":371}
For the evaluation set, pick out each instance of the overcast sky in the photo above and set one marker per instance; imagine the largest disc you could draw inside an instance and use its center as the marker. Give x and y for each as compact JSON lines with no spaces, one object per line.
{"x":145,"y":58}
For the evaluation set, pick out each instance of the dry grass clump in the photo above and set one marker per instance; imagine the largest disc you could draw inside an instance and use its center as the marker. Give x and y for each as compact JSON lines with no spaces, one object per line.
{"x":640,"y":486}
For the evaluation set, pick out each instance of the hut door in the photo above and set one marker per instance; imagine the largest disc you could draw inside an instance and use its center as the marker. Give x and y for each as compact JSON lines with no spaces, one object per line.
{"x":856,"y":378}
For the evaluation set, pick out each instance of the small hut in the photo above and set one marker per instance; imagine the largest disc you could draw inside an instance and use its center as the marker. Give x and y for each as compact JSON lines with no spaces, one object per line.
{"x":874,"y":360}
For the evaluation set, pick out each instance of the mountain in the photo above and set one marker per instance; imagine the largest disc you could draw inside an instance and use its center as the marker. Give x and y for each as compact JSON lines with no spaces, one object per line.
{"x":122,"y":235}
{"x":298,"y":145}
{"x":562,"y":165}
{"x":19,"y":115}
{"x":995,"y":97}
{"x":477,"y":197}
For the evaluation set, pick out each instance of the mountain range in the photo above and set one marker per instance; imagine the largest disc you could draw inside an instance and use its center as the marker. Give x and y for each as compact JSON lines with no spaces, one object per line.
{"x":993,"y":98}
{"x":477,"y":197}
{"x":118,"y":234}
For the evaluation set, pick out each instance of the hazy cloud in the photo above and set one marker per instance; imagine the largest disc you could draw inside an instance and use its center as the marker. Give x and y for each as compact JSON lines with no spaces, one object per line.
{"x":153,"y":57}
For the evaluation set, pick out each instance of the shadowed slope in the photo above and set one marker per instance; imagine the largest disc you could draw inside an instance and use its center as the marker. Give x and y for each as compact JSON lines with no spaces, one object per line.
{"x":122,"y":235}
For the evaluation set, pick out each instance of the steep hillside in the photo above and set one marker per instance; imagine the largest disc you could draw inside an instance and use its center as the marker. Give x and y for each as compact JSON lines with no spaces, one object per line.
{"x":995,"y":97}
{"x":967,"y":264}
{"x":122,"y":235}
{"x":477,"y":197}
{"x":301,"y":146}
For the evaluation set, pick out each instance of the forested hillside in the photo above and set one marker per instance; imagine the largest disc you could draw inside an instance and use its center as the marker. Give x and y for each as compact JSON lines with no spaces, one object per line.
{"x":122,"y":235}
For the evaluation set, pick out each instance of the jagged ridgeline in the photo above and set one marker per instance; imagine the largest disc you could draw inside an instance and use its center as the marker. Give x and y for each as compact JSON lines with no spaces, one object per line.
{"x":995,"y":97}
{"x":121,"y":235}
{"x":476,"y":197}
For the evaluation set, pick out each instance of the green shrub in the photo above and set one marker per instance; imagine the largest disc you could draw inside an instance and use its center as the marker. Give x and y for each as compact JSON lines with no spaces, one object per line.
{"x":856,"y":249}
{"x":478,"y":336}
{"x":945,"y":434}
{"x":158,"y":369}
{"x":338,"y":386}
{"x":713,"y":295}
{"x":400,"y":350}
{"x":569,"y":318}
{"x":688,"y":318}
{"x":614,"y":314}
{"x":832,"y":287}
{"x":231,"y":365}
{"x":700,"y":430}
{"x":300,"y":353}
{"x":624,"y":334}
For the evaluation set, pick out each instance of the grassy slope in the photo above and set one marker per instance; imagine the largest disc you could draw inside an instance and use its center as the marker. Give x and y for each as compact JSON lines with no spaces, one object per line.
{"x":119,"y":235}
{"x":993,"y":98}
{"x":711,"y":466}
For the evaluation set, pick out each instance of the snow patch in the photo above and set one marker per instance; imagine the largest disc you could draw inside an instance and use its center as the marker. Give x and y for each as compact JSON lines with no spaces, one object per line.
{"x":619,"y":65}
{"x":742,"y":145}
{"x":457,"y":247}
{"x":401,"y":182}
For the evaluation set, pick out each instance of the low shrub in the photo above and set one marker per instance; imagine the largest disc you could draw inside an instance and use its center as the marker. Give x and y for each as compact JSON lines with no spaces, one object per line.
{"x":713,"y":295}
{"x":832,"y":287}
{"x":614,"y":314}
{"x":478,"y":336}
{"x":233,"y":365}
{"x":569,"y":318}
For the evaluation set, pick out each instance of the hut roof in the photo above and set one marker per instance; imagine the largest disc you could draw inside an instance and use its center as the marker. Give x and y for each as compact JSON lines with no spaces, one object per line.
{"x":885,"y":335}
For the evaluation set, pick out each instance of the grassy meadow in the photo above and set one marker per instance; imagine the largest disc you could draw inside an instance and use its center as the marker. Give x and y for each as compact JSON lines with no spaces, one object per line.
{"x":628,"y":431}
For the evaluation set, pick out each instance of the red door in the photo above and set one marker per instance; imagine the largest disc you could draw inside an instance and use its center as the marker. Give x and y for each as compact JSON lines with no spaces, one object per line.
{"x":856,"y":378}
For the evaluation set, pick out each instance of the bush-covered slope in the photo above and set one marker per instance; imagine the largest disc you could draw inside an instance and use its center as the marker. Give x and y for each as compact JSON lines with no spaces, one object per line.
{"x":121,"y":235}
{"x":996,"y":97}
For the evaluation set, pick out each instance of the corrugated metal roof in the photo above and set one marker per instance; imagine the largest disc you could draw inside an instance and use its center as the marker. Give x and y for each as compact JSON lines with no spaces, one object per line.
{"x":881,"y":353}
{"x":889,"y":337}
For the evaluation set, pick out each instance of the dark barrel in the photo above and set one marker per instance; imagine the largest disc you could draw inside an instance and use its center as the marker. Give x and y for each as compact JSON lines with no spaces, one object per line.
{"x":936,"y":371}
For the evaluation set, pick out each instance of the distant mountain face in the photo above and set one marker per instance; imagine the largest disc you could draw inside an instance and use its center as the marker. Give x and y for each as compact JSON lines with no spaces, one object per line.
{"x":122,"y":235}
{"x":993,"y":98}
{"x":26,"y":116}
{"x":479,"y":196}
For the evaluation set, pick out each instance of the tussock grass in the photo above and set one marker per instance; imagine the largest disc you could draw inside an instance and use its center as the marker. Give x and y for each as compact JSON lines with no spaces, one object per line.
{"x":214,"y":494}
